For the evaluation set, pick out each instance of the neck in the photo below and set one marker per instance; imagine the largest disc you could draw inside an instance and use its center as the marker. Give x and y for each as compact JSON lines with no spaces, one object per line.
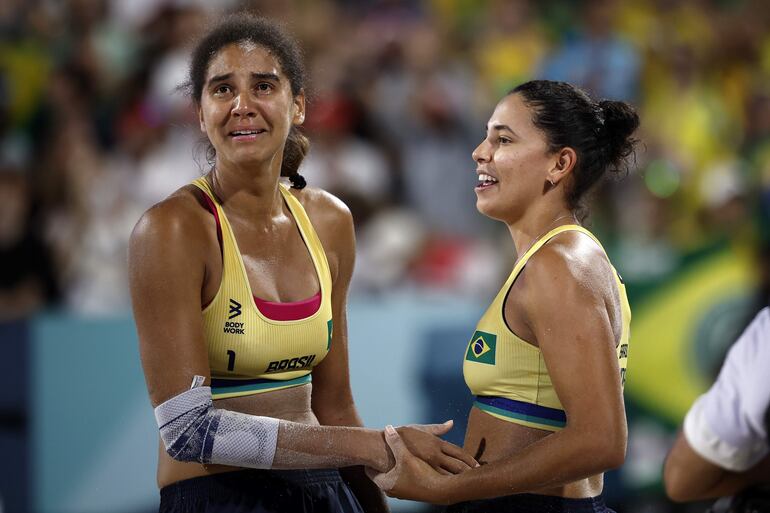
{"x":248,"y":191}
{"x":536,"y":223}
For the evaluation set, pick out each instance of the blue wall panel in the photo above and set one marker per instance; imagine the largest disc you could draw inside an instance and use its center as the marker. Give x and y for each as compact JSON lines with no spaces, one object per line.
{"x":94,"y":435}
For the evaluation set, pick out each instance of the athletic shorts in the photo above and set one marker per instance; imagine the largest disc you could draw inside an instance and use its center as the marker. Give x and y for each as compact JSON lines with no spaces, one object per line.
{"x":532,"y":503}
{"x":261,"y":491}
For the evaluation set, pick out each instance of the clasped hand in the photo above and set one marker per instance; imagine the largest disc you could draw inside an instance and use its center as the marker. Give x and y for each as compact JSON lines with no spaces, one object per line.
{"x":425,"y":465}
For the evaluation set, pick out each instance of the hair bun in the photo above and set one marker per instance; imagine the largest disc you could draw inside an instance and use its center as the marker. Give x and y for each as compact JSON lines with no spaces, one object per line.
{"x":297,"y":181}
{"x":620,"y":121}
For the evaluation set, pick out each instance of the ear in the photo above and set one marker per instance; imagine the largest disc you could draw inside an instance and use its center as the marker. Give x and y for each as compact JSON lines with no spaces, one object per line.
{"x":566,"y":158}
{"x":299,"y":108}
{"x":201,"y":122}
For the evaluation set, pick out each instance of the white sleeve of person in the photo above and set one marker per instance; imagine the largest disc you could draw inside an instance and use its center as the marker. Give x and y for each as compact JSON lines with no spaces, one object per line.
{"x":193,"y":430}
{"x":728,"y":424}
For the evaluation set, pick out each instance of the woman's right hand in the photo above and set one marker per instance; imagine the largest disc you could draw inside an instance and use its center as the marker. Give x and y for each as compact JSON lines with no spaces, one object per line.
{"x":423,"y":441}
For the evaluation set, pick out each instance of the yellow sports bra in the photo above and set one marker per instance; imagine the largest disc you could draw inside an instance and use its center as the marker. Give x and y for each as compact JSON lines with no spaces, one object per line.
{"x":507,"y":374}
{"x":256,"y":346}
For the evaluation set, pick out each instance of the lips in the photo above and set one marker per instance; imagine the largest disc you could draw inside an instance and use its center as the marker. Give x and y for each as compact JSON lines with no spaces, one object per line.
{"x":246,"y":134}
{"x":485,"y":181}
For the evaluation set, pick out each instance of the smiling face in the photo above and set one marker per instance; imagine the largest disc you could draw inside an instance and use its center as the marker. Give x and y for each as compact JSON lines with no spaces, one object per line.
{"x":246,"y":106}
{"x":513,"y":162}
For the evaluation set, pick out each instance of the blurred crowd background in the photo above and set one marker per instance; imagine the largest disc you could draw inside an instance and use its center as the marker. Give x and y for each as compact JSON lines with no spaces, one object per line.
{"x":94,"y":129}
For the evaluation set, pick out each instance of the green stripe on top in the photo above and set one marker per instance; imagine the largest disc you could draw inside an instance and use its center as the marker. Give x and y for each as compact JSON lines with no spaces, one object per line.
{"x":520,"y":416}
{"x":262,"y":386}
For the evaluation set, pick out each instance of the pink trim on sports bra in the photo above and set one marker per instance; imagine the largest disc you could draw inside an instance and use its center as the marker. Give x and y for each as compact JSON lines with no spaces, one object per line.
{"x":293,"y":311}
{"x":213,"y":210}
{"x":274,"y":311}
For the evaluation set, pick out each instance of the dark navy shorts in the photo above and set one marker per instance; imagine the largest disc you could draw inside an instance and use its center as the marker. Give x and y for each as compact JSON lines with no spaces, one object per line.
{"x":532,"y":503}
{"x":261,"y":491}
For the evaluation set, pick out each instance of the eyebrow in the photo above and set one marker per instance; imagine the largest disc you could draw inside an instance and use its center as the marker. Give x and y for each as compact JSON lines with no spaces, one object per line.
{"x":500,"y":126}
{"x":266,"y":76}
{"x":256,"y":76}
{"x":503,"y":127}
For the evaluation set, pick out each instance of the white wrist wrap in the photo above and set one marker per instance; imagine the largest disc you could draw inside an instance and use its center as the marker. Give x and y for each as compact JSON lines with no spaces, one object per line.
{"x":193,"y":430}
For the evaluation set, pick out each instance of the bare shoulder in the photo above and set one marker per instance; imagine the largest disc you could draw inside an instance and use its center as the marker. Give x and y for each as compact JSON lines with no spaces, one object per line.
{"x":571,"y":266}
{"x":325,"y":210}
{"x":178,"y":220}
{"x":333,"y":223}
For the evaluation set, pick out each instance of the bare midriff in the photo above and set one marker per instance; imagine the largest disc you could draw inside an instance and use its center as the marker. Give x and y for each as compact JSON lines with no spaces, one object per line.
{"x":491,"y":439}
{"x":291,"y":404}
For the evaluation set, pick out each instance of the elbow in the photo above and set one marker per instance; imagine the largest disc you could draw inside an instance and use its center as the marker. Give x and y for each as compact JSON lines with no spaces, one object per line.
{"x":608,"y":450}
{"x":613,"y":442}
{"x":177,"y":456}
{"x":614,"y":455}
{"x":183,"y":455}
{"x":617,"y":445}
{"x":617,"y":459}
{"x":677,"y":486}
{"x":676,"y":494}
{"x":675,"y":491}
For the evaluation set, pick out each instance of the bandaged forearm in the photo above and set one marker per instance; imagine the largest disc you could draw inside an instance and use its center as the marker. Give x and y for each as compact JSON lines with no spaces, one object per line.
{"x":193,"y":430}
{"x":313,"y":446}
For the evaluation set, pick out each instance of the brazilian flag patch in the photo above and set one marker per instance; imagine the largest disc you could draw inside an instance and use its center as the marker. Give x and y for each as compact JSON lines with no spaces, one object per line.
{"x":482,"y":348}
{"x":330,"y":329}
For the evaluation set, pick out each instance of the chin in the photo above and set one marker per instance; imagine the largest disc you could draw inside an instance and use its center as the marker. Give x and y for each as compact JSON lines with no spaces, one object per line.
{"x":251,"y":158}
{"x":496,"y":211}
{"x":486,"y":209}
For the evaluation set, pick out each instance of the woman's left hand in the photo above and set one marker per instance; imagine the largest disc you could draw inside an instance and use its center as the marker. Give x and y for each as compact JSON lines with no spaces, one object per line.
{"x":411,"y":478}
{"x":422,"y":441}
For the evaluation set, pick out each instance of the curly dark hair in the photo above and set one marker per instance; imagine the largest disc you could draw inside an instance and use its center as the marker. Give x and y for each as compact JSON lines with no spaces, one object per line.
{"x":599,"y":132}
{"x":271,"y":35}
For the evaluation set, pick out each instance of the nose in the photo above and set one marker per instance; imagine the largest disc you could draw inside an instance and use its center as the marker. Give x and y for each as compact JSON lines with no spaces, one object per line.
{"x":481,"y":154}
{"x":243,"y":106}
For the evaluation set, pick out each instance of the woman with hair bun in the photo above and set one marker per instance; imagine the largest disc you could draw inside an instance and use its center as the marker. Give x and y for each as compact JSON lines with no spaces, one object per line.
{"x":548,"y":358}
{"x":239,"y":288}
